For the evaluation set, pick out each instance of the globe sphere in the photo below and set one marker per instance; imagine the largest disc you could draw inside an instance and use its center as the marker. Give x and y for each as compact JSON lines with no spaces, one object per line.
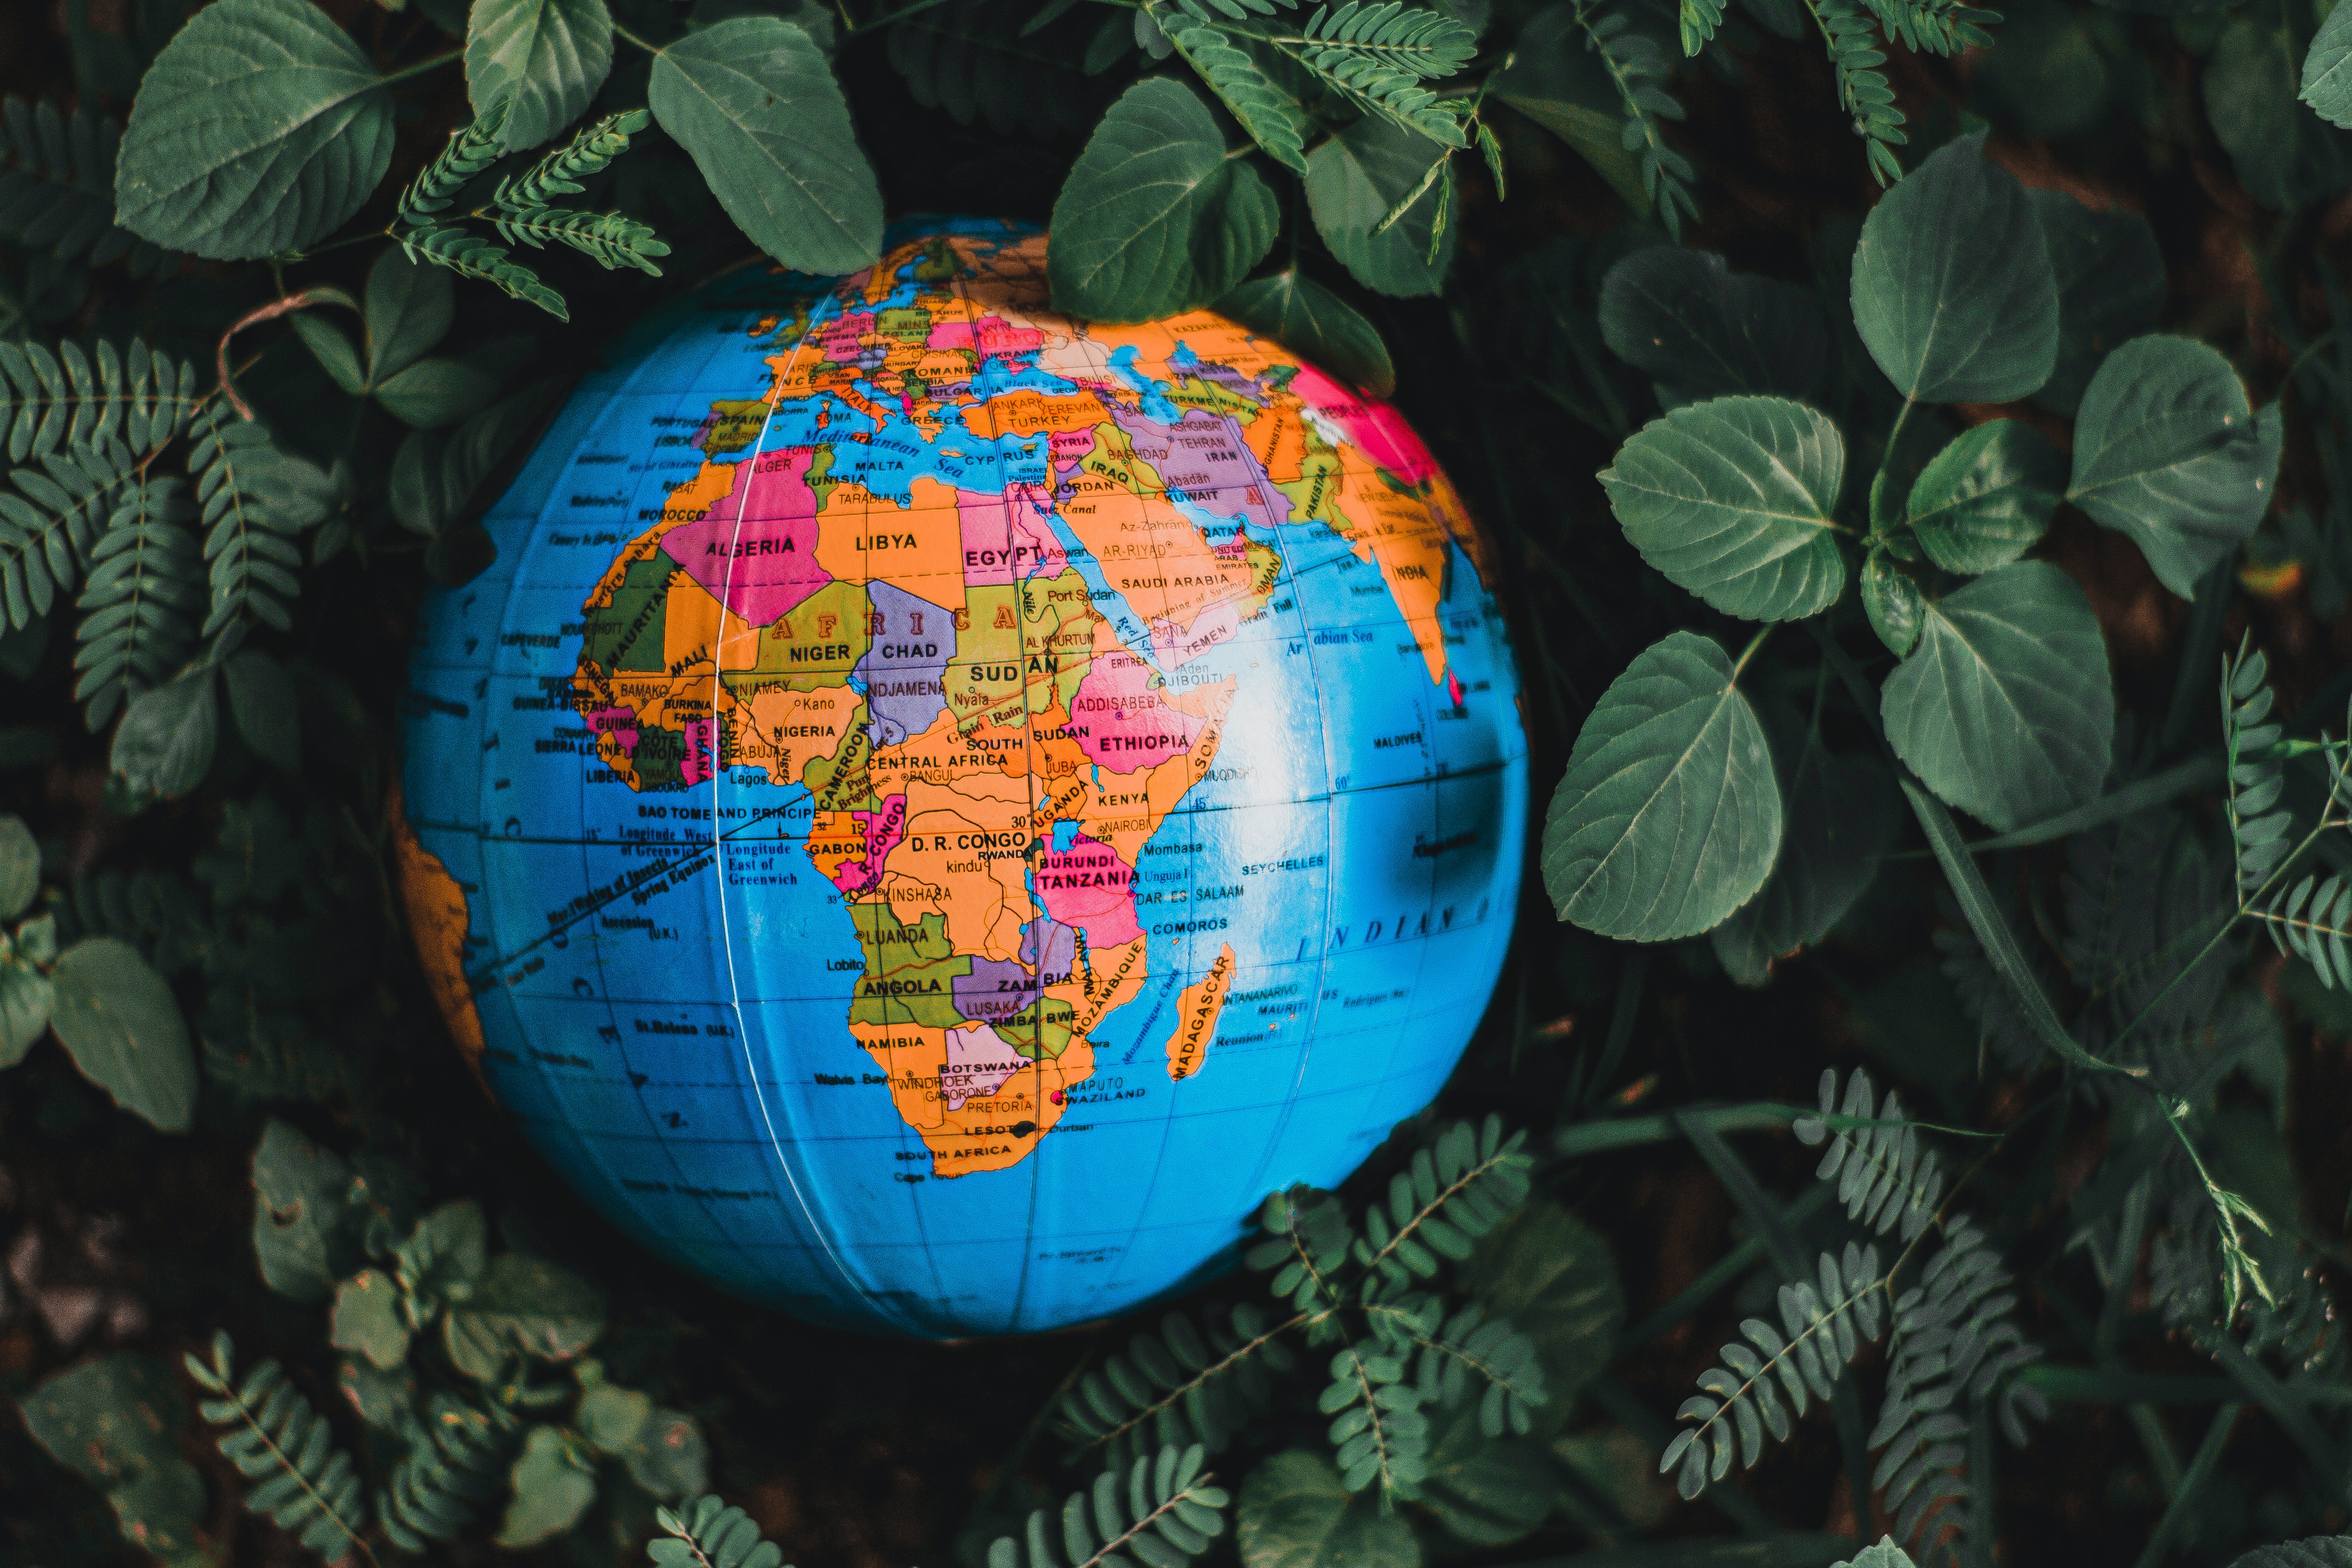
{"x":939,"y":806}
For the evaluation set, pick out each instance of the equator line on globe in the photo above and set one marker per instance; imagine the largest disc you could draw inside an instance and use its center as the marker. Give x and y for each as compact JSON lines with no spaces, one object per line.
{"x":938,"y":807}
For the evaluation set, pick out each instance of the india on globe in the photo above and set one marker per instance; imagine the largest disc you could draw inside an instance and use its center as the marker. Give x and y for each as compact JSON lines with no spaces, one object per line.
{"x":938,"y":807}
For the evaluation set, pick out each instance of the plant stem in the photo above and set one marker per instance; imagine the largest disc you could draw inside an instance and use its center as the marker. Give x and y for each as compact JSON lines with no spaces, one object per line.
{"x":421,"y":66}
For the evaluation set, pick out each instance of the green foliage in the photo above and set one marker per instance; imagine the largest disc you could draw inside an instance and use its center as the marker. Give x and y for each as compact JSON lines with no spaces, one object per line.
{"x":1986,"y":498}
{"x":116,"y":1421}
{"x":1179,"y":1386}
{"x":753,"y":100}
{"x":543,"y":59}
{"x":1735,"y":501}
{"x":1700,"y":331}
{"x":255,"y":499}
{"x":307,"y":1485}
{"x":1161,"y":1512}
{"x":118,"y":1021}
{"x":1156,"y":218}
{"x":138,"y":605}
{"x":1379,"y":52}
{"x":2169,"y":452}
{"x":705,"y":1533}
{"x":56,"y":188}
{"x":2005,"y":706}
{"x":259,"y":129}
{"x":1308,"y":318}
{"x":1952,"y":288}
{"x":1669,"y":816}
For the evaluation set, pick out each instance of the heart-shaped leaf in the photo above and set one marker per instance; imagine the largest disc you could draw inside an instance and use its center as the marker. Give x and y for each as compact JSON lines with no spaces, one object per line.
{"x":259,"y":129}
{"x":755,"y":103}
{"x":1155,"y":219}
{"x":1669,"y":816}
{"x":2167,"y":450}
{"x":1986,"y":498}
{"x":1733,"y":500}
{"x":2005,"y":709}
{"x":1953,"y":293}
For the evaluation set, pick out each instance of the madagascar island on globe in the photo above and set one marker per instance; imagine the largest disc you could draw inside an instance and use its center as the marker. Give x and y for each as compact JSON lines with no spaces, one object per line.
{"x":939,"y":807}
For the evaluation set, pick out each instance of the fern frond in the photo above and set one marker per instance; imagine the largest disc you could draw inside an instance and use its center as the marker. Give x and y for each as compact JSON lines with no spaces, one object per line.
{"x":56,"y":188}
{"x":75,"y":398}
{"x":471,"y":255}
{"x":146,"y":583}
{"x":1454,"y":1191}
{"x":1377,"y":1428}
{"x":610,"y":239}
{"x":1884,"y":1177}
{"x":440,"y":1485}
{"x":1956,"y":1341}
{"x":1163,"y":1511}
{"x":1180,"y":1387}
{"x":1451,"y":1349}
{"x":559,"y":174}
{"x":2312,"y":920}
{"x":1821,"y":1328}
{"x":708,"y":1533}
{"x":47,"y":524}
{"x":2259,"y":825}
{"x":311,"y":1491}
{"x":1699,"y":19}
{"x":1851,"y":32}
{"x":255,"y":501}
{"x":473,"y":148}
{"x":1637,"y":68}
{"x":1934,"y":27}
{"x":1310,"y":1242}
{"x":1378,"y":53}
{"x":1273,"y":119}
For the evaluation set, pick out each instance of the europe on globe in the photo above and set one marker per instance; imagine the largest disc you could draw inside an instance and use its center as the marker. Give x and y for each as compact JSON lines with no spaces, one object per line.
{"x":938,"y":807}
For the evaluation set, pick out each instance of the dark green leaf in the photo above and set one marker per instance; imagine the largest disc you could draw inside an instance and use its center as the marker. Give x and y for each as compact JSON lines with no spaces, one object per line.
{"x":2284,"y":154}
{"x":553,"y":1488}
{"x":2004,"y":708}
{"x":1485,"y":1491}
{"x":118,"y":1020}
{"x":2110,"y":287}
{"x":1309,"y":320}
{"x":1953,"y":293}
{"x":301,"y":1214}
{"x":1564,"y":86}
{"x":523,"y":1306}
{"x":259,"y":129}
{"x":1893,"y":602}
{"x":20,"y":867}
{"x":2167,"y":450}
{"x":1734,"y":499}
{"x":1841,"y":813}
{"x":331,"y":347}
{"x":2327,"y":71}
{"x":755,"y":103}
{"x":432,"y":392}
{"x":1294,"y":1513}
{"x":2318,"y":1552}
{"x":670,"y":1457}
{"x":367,"y":1318}
{"x":117,"y":1422}
{"x":1700,"y":330}
{"x":1156,"y":218}
{"x":1669,"y":817}
{"x":1986,"y":498}
{"x":545,"y":59}
{"x":26,"y":993}
{"x":409,"y":309}
{"x":1554,"y":1280}
{"x":1355,"y":179}
{"x":164,"y":744}
{"x":261,"y":698}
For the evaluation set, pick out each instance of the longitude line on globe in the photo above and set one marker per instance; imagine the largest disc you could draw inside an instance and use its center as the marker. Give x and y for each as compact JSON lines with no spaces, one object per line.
{"x":717,"y":840}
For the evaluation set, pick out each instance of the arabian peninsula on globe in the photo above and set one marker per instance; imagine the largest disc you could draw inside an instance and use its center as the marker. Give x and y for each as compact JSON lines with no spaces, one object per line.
{"x":938,"y":807}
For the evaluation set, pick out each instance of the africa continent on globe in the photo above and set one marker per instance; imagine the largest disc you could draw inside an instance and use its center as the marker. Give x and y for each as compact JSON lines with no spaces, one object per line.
{"x":939,"y":807}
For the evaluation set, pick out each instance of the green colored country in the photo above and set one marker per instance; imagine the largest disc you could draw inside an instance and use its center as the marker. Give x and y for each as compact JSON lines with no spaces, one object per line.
{"x":911,"y":971}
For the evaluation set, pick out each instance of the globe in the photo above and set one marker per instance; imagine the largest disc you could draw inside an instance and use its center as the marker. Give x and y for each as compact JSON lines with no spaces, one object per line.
{"x":937,"y":806}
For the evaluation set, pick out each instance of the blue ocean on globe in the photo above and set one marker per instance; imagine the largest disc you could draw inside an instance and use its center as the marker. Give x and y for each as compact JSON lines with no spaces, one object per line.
{"x":938,"y":807}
